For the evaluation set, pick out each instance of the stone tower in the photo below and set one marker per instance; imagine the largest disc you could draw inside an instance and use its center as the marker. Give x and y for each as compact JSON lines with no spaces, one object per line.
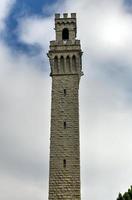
{"x":66,"y":69}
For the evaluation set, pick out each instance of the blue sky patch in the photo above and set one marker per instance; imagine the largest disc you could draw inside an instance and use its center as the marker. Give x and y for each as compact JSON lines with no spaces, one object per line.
{"x":21,"y":9}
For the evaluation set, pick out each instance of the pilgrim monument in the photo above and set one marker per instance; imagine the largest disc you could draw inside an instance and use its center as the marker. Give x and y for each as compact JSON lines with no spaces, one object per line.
{"x":66,"y":70}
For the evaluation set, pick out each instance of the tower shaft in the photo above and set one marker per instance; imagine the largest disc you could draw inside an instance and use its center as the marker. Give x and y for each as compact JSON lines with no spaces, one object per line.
{"x":65,"y":60}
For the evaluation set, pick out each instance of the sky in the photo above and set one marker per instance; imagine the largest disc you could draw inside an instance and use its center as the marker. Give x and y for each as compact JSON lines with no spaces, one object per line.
{"x":105,"y":31}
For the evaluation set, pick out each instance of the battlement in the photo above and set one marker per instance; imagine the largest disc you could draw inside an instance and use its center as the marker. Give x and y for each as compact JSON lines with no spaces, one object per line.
{"x":65,"y":15}
{"x":65,"y":26}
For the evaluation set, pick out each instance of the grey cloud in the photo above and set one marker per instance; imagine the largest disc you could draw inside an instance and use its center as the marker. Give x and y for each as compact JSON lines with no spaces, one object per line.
{"x":24,"y":126}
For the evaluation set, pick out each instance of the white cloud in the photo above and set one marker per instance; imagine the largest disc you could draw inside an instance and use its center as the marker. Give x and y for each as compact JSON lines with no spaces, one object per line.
{"x":14,"y":188}
{"x":108,"y":33}
{"x":105,"y":141}
{"x":24,"y":122}
{"x":37,"y":31}
{"x":24,"y":129}
{"x":5,"y":7}
{"x":106,"y":38}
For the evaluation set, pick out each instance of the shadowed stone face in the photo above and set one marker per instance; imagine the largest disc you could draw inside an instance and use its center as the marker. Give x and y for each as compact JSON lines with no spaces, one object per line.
{"x":65,"y":60}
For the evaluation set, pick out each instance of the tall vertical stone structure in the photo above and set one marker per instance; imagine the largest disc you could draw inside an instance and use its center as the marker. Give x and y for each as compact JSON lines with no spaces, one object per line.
{"x":66,"y":69}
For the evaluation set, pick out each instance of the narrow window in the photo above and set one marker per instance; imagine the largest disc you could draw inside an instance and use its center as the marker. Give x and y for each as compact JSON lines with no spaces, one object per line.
{"x":62,"y":64}
{"x":68,"y":67}
{"x":64,"y":125}
{"x":64,"y":92}
{"x":64,"y":163}
{"x":56,"y":70}
{"x":65,"y":34}
{"x":74,"y":64}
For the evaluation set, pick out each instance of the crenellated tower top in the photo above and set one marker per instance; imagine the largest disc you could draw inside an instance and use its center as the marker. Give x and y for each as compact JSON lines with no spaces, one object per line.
{"x":65,"y":27}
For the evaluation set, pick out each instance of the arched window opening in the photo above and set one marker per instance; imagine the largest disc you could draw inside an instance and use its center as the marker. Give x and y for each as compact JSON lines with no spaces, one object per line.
{"x":65,"y":34}
{"x":56,"y":69}
{"x":74,"y":63}
{"x":68,"y":64}
{"x":62,"y":63}
{"x":64,"y":163}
